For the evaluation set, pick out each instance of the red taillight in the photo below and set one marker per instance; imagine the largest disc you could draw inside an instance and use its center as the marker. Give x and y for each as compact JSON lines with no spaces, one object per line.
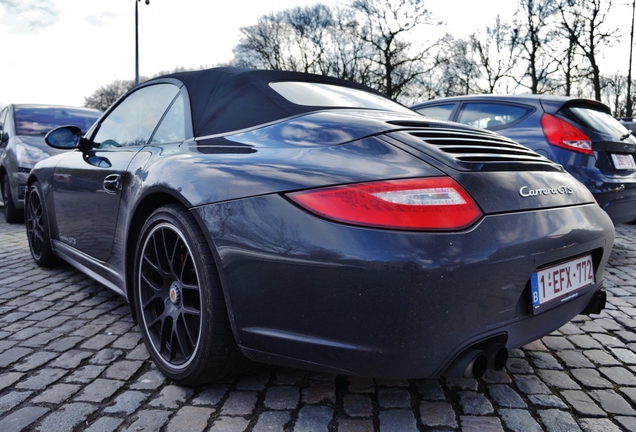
{"x":562,"y":134}
{"x":436,"y":203}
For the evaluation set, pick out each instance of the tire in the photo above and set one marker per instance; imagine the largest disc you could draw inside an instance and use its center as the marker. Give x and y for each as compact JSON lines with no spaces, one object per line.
{"x":37,"y":228}
{"x":11,"y":213}
{"x":179,"y":301}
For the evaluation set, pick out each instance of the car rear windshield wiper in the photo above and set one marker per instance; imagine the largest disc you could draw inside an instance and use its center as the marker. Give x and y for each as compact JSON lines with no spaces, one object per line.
{"x":627,"y":135}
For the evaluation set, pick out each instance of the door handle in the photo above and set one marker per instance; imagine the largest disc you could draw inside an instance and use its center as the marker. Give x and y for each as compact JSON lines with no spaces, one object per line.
{"x":112,"y":183}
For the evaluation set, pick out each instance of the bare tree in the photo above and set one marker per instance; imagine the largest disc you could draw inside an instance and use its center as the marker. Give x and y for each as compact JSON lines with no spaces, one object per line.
{"x":368,"y":41}
{"x":459,"y":70}
{"x":349,"y":56}
{"x":482,"y":63}
{"x":535,"y":40}
{"x":263,"y":44}
{"x":615,"y":92}
{"x":592,"y":35}
{"x":295,"y":39}
{"x":385,"y":25}
{"x":494,"y":54}
{"x":567,"y":56}
{"x":312,"y":27}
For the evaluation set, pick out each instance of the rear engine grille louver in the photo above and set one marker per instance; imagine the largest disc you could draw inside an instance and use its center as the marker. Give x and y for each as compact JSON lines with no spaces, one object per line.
{"x":470,"y":150}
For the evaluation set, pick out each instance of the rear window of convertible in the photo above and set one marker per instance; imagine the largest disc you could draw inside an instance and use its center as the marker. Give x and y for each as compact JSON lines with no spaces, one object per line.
{"x":328,"y":95}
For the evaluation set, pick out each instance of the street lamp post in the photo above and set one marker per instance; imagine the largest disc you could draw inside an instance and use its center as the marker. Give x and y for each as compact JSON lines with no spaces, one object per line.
{"x":137,"y":40}
{"x":629,"y":74}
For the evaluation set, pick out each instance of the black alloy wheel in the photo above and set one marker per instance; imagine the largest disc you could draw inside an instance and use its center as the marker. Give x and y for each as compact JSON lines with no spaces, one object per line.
{"x":179,"y":302}
{"x":11,"y":213}
{"x":37,"y":228}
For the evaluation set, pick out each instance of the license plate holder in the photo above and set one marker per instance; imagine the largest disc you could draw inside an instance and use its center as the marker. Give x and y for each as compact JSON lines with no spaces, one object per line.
{"x":559,"y":283}
{"x":623,"y":161}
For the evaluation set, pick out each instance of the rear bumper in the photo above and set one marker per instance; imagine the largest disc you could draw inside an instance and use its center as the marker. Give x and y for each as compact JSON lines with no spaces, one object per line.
{"x":305,"y":292}
{"x":614,"y":191}
{"x":402,"y":364}
{"x":619,"y":203}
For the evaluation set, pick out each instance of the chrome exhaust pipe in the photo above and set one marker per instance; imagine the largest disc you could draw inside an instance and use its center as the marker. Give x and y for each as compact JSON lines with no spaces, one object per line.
{"x":597,"y":304}
{"x":497,"y":355}
{"x":471,"y":363}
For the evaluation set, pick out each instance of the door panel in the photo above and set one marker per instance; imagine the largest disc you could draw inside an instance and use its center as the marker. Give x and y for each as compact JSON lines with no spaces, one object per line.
{"x":87,"y":200}
{"x":89,"y":185}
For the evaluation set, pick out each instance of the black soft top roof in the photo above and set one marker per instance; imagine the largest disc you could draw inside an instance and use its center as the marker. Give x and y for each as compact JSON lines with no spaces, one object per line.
{"x":227,"y":99}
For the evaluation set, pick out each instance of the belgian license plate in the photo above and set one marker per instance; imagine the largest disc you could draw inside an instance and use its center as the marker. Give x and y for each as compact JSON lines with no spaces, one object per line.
{"x":623,"y":161}
{"x":561,"y":281}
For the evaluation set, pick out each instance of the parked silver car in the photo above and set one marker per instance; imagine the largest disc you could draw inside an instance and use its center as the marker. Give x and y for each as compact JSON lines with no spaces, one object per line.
{"x":22,"y":130}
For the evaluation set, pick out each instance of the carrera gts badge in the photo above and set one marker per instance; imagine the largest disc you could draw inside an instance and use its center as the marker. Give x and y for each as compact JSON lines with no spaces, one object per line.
{"x":561,"y":190}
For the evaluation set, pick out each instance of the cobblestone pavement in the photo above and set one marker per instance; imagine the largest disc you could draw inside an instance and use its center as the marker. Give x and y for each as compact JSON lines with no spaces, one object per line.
{"x":71,"y":359}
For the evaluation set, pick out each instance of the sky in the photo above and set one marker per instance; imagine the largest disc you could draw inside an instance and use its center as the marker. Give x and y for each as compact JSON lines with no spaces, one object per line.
{"x":60,"y":51}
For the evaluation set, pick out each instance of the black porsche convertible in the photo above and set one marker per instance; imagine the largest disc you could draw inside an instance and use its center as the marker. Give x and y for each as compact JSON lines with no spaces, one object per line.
{"x":307,"y":221}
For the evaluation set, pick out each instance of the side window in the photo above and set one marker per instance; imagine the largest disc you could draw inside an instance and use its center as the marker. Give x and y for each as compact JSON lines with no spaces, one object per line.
{"x":491,"y":115}
{"x":439,"y":112}
{"x":172,"y":127}
{"x":134,"y":120}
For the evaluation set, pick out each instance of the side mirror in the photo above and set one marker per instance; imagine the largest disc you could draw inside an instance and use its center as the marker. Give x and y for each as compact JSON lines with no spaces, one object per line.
{"x":4,"y":136}
{"x":65,"y":137}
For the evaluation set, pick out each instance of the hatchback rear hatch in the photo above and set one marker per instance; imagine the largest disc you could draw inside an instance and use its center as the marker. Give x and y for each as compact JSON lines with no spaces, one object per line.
{"x":609,"y":141}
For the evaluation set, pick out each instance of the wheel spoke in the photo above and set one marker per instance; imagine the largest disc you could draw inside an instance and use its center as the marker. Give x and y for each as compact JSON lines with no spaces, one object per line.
{"x":163,"y":253}
{"x":190,"y":330}
{"x":171,"y":255}
{"x":155,"y":254}
{"x":147,"y":303}
{"x":154,"y":322}
{"x":165,"y":339}
{"x":191,"y":304}
{"x":186,"y":266}
{"x":151,"y":283}
{"x":36,"y":229}
{"x":179,"y":348}
{"x":148,"y":261}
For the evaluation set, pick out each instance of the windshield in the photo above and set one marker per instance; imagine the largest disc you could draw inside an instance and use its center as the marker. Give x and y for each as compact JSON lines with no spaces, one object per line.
{"x":332,"y":96}
{"x":40,"y":120}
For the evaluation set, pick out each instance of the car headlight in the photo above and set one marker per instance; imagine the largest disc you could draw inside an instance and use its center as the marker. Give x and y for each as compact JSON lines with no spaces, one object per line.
{"x":28,"y":155}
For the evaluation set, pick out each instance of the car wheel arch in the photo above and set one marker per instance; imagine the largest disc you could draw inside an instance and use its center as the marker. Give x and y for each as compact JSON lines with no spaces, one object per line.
{"x":141,"y":212}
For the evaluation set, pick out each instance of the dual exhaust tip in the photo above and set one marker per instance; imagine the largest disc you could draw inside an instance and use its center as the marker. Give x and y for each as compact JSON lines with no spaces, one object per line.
{"x":492,"y":354}
{"x":474,"y":362}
